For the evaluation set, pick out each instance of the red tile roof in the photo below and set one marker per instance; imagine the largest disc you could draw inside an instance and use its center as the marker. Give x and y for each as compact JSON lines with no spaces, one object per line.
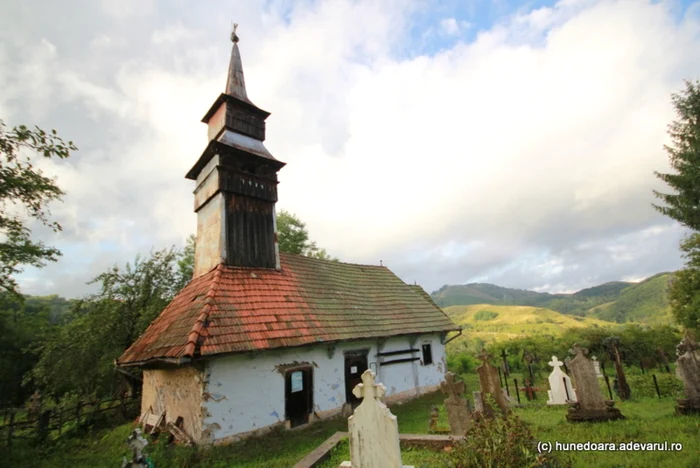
{"x":308,"y":301}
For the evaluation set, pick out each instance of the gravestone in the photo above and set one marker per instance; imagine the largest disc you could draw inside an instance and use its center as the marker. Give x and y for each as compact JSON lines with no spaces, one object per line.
{"x":136,"y":443}
{"x":559,"y":385}
{"x":621,"y":386}
{"x":374,"y":431}
{"x":590,"y":405}
{"x":488,"y":381}
{"x":688,"y":364}
{"x":596,"y":365}
{"x":434,"y":417}
{"x":456,"y":405}
{"x":478,"y":402}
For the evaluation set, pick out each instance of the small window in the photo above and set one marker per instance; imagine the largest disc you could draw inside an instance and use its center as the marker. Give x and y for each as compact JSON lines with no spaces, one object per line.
{"x":297,"y":381}
{"x":427,"y":355}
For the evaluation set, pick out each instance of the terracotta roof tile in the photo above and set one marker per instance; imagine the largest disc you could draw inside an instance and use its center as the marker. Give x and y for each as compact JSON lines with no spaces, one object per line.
{"x":308,"y":301}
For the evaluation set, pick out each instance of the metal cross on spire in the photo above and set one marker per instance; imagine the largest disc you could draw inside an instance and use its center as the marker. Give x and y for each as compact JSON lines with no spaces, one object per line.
{"x":234,"y":36}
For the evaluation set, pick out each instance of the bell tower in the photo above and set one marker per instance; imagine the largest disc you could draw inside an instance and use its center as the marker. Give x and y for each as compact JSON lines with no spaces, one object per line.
{"x":236,"y":182}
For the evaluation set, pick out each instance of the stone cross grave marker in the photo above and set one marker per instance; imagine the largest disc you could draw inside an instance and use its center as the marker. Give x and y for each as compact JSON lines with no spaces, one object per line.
{"x":456,"y":405}
{"x":689,"y":369}
{"x":559,"y":385}
{"x":488,"y":381}
{"x":374,"y":431}
{"x":596,"y":365}
{"x":136,"y":443}
{"x":590,"y":405}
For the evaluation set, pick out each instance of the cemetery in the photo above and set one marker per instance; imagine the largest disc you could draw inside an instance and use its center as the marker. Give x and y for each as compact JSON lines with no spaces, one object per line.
{"x":470,"y":408}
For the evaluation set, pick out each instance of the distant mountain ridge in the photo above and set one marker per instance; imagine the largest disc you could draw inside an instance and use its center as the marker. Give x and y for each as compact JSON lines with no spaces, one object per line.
{"x":615,"y":301}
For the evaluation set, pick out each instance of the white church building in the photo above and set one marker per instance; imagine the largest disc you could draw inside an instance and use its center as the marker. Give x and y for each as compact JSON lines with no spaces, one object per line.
{"x":260,"y":338}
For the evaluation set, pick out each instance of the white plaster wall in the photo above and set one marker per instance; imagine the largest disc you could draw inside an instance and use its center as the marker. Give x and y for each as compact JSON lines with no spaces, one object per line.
{"x":246,"y":392}
{"x":406,"y":376}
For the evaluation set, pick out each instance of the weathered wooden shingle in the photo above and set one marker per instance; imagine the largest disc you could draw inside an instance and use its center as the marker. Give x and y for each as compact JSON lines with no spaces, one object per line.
{"x":308,"y":301}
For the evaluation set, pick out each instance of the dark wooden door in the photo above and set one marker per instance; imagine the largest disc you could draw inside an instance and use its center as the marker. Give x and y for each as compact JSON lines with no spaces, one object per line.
{"x":298,"y":396}
{"x":355,"y":365}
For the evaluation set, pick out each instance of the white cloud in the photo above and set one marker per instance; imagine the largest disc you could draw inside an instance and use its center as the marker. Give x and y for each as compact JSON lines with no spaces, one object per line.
{"x":453,"y":27}
{"x":495,"y":159}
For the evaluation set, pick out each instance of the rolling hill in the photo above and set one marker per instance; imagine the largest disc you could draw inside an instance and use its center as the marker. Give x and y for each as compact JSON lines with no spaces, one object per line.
{"x":615,"y":301}
{"x":500,"y":322}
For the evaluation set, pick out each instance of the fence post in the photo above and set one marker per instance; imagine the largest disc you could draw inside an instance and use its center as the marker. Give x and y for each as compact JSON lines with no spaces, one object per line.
{"x":656,"y":384}
{"x":10,"y":428}
{"x":77,"y":413}
{"x":517,"y":391}
{"x":43,"y":423}
{"x":607,"y":382}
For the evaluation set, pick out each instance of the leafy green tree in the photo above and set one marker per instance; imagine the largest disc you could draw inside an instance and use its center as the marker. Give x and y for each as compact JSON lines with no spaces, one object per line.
{"x":79,"y":358}
{"x":185,"y":262}
{"x":684,"y":155}
{"x":684,"y":205}
{"x":21,"y":324}
{"x":293,"y":237}
{"x":22,"y":184}
{"x":684,"y":288}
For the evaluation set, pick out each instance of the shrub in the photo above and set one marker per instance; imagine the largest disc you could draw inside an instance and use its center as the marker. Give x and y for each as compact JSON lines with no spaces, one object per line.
{"x":643,"y":385}
{"x":485,"y":315}
{"x":502,"y":441}
{"x":461,"y":363}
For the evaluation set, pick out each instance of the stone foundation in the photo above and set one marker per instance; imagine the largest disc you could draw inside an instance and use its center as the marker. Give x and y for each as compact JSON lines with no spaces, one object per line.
{"x":609,"y":413}
{"x":686,"y":406}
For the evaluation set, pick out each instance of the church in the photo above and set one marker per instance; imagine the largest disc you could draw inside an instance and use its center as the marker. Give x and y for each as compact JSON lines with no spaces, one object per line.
{"x":261,"y":338}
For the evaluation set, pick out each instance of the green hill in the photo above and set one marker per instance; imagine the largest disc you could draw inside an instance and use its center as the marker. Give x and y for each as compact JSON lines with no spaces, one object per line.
{"x":644,"y":302}
{"x":481,"y":293}
{"x":615,"y":301}
{"x":499,"y":322}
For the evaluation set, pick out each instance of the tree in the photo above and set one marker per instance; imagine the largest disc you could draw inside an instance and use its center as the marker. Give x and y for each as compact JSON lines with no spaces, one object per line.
{"x":185,"y":262}
{"x":684,"y":205}
{"x":684,"y":155}
{"x":21,"y":184}
{"x":80,"y":357}
{"x":293,"y":237}
{"x":684,"y":288}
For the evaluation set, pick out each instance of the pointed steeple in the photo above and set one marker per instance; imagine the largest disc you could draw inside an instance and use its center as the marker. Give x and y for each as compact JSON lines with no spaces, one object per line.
{"x":235,"y":82}
{"x":236,"y":180}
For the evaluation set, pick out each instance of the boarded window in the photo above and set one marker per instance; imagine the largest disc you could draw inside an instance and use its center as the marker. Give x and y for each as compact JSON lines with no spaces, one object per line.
{"x":427,"y":354}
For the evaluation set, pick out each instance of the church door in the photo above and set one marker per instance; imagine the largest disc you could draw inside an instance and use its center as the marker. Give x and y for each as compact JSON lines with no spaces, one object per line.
{"x":355,"y":365}
{"x":298,"y":396}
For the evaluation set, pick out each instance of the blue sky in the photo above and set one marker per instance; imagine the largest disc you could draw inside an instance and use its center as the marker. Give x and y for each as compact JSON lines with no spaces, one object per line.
{"x":503,"y":142}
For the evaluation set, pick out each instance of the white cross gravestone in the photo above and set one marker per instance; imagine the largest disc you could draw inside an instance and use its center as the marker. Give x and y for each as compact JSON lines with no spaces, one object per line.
{"x":558,"y":392}
{"x":596,"y":365}
{"x":374,"y":431}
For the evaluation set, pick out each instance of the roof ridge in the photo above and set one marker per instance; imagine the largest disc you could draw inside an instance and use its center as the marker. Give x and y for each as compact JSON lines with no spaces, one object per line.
{"x":336,"y":262}
{"x":199,"y":329}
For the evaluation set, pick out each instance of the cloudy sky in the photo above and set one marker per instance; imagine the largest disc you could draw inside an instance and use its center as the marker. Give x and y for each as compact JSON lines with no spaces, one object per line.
{"x":461,"y":141}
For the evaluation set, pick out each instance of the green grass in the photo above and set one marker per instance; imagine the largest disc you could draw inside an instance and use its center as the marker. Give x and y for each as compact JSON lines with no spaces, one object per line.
{"x":648,"y":420}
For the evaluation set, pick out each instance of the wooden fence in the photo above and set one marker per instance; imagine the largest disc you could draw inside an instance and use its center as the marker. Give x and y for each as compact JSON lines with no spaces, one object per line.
{"x":54,"y":419}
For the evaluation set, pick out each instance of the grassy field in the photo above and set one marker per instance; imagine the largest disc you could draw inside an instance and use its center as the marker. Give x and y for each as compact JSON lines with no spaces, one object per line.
{"x":648,"y":420}
{"x":496,"y":322}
